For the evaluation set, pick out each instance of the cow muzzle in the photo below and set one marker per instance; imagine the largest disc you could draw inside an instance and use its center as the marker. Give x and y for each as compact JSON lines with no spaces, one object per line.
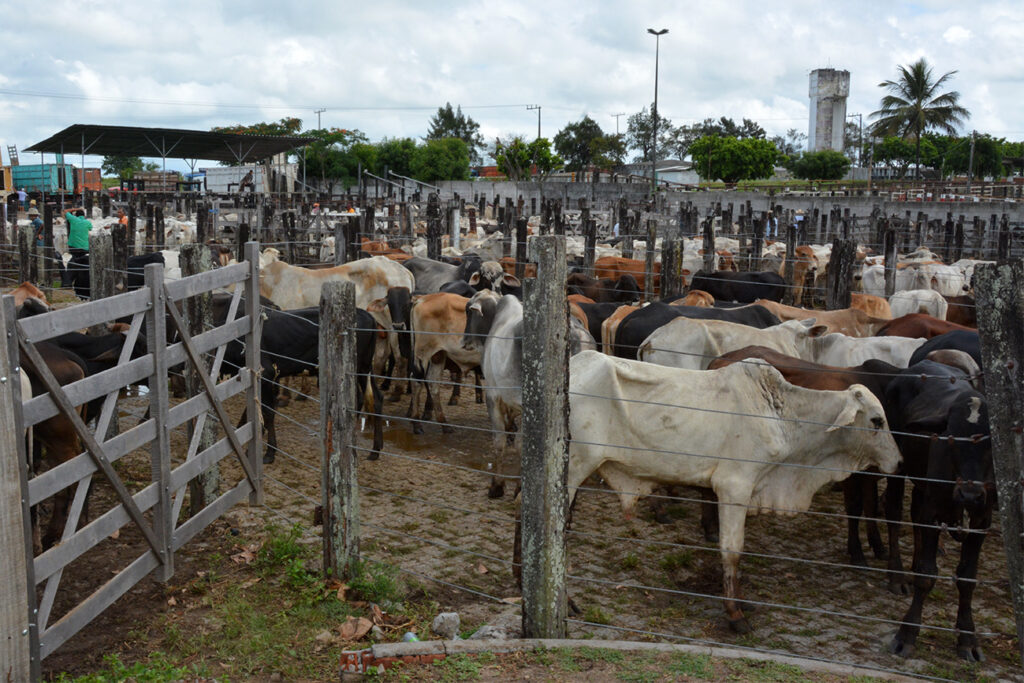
{"x":970,"y":494}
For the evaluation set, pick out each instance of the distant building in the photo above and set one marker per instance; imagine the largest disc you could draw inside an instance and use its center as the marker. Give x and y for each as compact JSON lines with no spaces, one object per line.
{"x":829,"y":89}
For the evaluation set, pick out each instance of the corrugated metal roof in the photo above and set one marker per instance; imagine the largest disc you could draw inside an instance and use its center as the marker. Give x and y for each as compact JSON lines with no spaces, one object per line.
{"x":171,"y":143}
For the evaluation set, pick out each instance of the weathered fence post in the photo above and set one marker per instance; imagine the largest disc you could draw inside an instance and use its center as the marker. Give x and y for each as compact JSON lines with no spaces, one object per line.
{"x":19,"y":644}
{"x":790,"y":265}
{"x":545,"y":446}
{"x":339,"y":487}
{"x":241,"y":237}
{"x":958,"y":239}
{"x":254,"y":451}
{"x":652,"y":237}
{"x":340,"y":246}
{"x":671,"y":267}
{"x":1000,"y":296}
{"x":455,"y":216}
{"x":709,"y":244}
{"x":49,"y":264}
{"x":101,"y":275}
{"x":159,"y":404}
{"x":203,"y":489}
{"x":28,"y":264}
{"x":757,"y":243}
{"x":1003,"y":245}
{"x":840,"y":273}
{"x":520,"y":266}
{"x":158,"y":220}
{"x":434,"y":227}
{"x":889,"y":242}
{"x":133,"y":225}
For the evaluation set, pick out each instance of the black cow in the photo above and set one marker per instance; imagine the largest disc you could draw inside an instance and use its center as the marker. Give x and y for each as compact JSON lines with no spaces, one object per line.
{"x":290,"y":345}
{"x":726,"y":285}
{"x":639,"y":324}
{"x":625,"y":290}
{"x":959,"y":340}
{"x":952,"y":476}
{"x":596,"y":315}
{"x":76,"y":273}
{"x":430,"y":275}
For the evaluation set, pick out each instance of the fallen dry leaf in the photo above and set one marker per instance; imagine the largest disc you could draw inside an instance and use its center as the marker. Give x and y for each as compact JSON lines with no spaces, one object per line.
{"x":251,"y":582}
{"x":172,"y":602}
{"x":116,"y":534}
{"x":378,"y":615}
{"x":324,"y":637}
{"x":342,"y":590}
{"x":355,"y":628}
{"x":247,"y":555}
{"x":512,"y":601}
{"x":480,"y":568}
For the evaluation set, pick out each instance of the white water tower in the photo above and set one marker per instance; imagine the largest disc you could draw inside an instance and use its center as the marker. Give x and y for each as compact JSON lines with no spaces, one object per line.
{"x":828,"y":91}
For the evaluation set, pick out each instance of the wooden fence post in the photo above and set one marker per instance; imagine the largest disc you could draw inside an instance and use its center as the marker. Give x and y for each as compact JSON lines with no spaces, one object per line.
{"x":709,"y":244}
{"x":671,"y":267}
{"x":19,"y":645}
{"x":652,"y":237}
{"x":28,"y":264}
{"x":757,"y":243}
{"x":434,"y":227}
{"x":101,"y":275}
{"x":520,"y":265}
{"x":119,"y":257}
{"x":889,"y":242}
{"x":159,"y":404}
{"x":133,"y":226}
{"x":958,"y":239}
{"x":241,"y":237}
{"x":545,"y":446}
{"x":589,"y":247}
{"x":455,"y":217}
{"x":340,"y":245}
{"x":50,"y":263}
{"x":340,"y":487}
{"x":790,"y":265}
{"x":840,"y":273}
{"x":1003,"y":245}
{"x":204,"y":488}
{"x":1000,"y":296}
{"x":253,"y":360}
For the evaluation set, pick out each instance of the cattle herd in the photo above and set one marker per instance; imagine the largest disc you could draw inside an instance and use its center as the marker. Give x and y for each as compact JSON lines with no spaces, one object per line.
{"x":757,"y":404}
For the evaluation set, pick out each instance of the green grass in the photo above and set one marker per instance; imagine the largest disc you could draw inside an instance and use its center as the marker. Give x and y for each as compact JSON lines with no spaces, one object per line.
{"x":463,"y":667}
{"x":697,"y":666}
{"x":376,"y":582}
{"x":630,"y":561}
{"x":680,"y":560}
{"x":156,"y":668}
{"x":596,"y":615}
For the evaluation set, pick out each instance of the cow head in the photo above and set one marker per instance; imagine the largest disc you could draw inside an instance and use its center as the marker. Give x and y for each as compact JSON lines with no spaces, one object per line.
{"x":479,"y":318}
{"x":489,"y":276}
{"x":861,"y":408}
{"x":968,"y":459}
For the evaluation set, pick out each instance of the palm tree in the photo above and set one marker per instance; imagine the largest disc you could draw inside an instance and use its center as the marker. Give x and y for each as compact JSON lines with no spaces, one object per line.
{"x":914,"y":104}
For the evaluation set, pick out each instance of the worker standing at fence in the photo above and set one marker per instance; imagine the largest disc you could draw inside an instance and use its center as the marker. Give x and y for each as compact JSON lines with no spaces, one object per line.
{"x":78,"y":231}
{"x":37,"y":225}
{"x":22,"y":198}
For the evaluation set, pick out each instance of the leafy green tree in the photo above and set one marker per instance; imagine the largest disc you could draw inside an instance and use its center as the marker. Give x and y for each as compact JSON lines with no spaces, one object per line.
{"x":826,"y":164}
{"x":732,"y":159}
{"x":452,"y":123}
{"x":286,"y":126}
{"x":1013,"y":156}
{"x":121,"y":166}
{"x":898,"y":153}
{"x":444,"y":159}
{"x":395,"y":154}
{"x":518,"y":159}
{"x":851,"y":141}
{"x":988,"y":157}
{"x":583,"y":144}
{"x":915,"y":104}
{"x":334,"y":156}
{"x":790,"y":144}
{"x":640,"y":135}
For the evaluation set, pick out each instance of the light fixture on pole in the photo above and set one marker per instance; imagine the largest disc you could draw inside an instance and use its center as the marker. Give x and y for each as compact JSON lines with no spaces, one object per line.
{"x":318,"y":112}
{"x":654,"y":139}
{"x":531,"y":107}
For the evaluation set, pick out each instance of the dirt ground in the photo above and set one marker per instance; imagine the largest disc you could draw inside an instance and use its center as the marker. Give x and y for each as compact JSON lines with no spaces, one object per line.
{"x":631,"y":579}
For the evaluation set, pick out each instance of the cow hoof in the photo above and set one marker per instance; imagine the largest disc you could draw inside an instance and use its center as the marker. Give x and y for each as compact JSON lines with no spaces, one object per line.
{"x":447,"y":429}
{"x":417,"y":427}
{"x":711,"y":536}
{"x":740,"y":626}
{"x":300,"y":397}
{"x":858,"y":560}
{"x":881,"y":554}
{"x":375,"y":455}
{"x":967,"y":648}
{"x":662,"y":517}
{"x":453,"y":401}
{"x":268,"y":458}
{"x":479,"y":399}
{"x":900,"y":648}
{"x":898,"y":585}
{"x":496,"y":491}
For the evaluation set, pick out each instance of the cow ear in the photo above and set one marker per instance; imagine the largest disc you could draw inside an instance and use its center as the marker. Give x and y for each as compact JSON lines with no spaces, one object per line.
{"x":475,"y":306}
{"x":511,"y":281}
{"x":847,"y":415}
{"x":818,"y":330}
{"x":474,"y":279}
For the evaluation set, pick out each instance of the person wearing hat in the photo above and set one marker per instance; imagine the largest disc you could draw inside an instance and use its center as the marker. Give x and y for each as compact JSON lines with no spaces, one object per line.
{"x":37,"y":225}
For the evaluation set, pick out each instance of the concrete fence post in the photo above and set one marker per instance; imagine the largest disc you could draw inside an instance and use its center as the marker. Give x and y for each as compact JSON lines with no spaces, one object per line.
{"x":339,"y":485}
{"x":340,"y":245}
{"x":545,"y":445}
{"x":1000,"y":297}
{"x":790,"y":265}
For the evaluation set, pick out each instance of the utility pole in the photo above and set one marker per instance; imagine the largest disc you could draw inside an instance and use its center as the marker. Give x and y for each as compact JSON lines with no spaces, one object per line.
{"x":970,"y":162}
{"x":654,"y":141}
{"x":617,"y":122}
{"x":537,"y":107}
{"x":318,"y":112}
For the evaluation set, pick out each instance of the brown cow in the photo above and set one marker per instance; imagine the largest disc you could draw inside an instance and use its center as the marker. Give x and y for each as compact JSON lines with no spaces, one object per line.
{"x":919,"y":325}
{"x":695,"y":297}
{"x":438,"y":323}
{"x":508,"y":264}
{"x":852,"y":322}
{"x":875,"y":306}
{"x":613,"y":267}
{"x":962,"y":310}
{"x":611,"y":325}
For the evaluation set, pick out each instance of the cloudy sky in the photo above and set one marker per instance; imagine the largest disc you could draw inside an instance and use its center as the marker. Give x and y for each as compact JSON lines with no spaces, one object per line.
{"x":384,"y":67}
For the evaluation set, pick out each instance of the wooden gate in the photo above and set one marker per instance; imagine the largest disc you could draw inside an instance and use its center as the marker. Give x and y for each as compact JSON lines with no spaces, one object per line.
{"x":27,"y":632}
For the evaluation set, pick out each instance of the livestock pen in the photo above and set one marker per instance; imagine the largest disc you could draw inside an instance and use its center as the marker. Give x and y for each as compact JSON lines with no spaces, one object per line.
{"x":422,"y":507}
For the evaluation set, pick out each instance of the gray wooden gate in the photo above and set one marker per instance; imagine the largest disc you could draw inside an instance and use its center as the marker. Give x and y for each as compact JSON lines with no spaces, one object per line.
{"x":27,"y":633}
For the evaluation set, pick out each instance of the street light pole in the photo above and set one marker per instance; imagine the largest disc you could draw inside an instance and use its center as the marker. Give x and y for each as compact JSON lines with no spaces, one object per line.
{"x":318,"y":112}
{"x":537,"y":107}
{"x":654,"y":140}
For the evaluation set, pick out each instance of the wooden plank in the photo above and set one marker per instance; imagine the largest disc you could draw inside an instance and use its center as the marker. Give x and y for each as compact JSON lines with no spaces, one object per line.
{"x":218,"y":336}
{"x":91,"y":607}
{"x":205,"y":282}
{"x":183,"y":473}
{"x":339,"y":484}
{"x":16,"y":645}
{"x":545,"y":445}
{"x":159,"y":402}
{"x":53,"y":480}
{"x":95,"y":450}
{"x":999,"y":290}
{"x":222,"y":415}
{"x":254,"y":364}
{"x":49,"y":325}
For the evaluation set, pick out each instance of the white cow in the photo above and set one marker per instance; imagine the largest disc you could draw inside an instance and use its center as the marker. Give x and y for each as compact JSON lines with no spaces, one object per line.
{"x":872,"y":279}
{"x":918,"y":301}
{"x":294,"y":287}
{"x":693,"y":344}
{"x":760,"y":443}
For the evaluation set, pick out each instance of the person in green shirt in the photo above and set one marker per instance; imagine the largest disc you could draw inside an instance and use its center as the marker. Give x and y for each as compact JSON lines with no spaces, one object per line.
{"x":78,"y":231}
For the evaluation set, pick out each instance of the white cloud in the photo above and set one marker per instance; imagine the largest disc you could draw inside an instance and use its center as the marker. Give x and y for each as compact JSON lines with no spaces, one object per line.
{"x":956,"y":35}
